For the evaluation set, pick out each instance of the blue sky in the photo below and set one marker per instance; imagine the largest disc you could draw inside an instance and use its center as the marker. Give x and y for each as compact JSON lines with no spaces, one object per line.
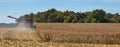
{"x":18,"y":8}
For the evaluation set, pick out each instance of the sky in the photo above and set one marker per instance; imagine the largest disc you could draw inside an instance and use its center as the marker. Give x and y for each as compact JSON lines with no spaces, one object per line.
{"x":17,"y":8}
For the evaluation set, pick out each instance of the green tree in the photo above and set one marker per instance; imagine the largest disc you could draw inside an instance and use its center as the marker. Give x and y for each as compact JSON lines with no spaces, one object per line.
{"x":118,"y":19}
{"x":93,"y":20}
{"x":75,"y":20}
{"x":51,"y":18}
{"x":53,"y":15}
{"x":99,"y":14}
{"x":67,"y":19}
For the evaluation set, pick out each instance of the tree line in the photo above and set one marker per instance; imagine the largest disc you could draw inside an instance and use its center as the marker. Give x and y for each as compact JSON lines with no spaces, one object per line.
{"x":55,"y":16}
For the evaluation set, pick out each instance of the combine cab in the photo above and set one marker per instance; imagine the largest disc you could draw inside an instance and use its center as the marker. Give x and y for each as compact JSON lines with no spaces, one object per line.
{"x":24,"y":23}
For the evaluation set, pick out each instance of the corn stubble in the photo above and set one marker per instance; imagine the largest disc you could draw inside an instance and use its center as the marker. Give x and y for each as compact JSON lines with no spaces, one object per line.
{"x":63,"y":35}
{"x":93,"y":33}
{"x":8,"y":43}
{"x":15,"y":34}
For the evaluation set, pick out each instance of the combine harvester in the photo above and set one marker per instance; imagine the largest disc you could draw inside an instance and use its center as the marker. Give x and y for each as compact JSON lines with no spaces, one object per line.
{"x":24,"y":23}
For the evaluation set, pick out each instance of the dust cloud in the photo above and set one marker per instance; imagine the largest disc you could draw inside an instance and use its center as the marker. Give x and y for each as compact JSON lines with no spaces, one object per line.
{"x":23,"y":25}
{"x":21,"y":32}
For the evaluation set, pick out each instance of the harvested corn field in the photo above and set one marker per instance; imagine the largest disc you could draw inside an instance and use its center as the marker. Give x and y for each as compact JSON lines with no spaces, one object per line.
{"x":8,"y":43}
{"x":95,"y":33}
{"x":62,"y":35}
{"x":17,"y":34}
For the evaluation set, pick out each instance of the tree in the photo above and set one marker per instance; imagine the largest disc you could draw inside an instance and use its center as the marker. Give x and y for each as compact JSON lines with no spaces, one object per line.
{"x":51,"y":18}
{"x":93,"y":20}
{"x":75,"y":20}
{"x":52,"y":10}
{"x":67,"y":19}
{"x":112,"y":18}
{"x":118,"y":19}
{"x":53,"y":15}
{"x":87,"y":19}
{"x":99,"y":14}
